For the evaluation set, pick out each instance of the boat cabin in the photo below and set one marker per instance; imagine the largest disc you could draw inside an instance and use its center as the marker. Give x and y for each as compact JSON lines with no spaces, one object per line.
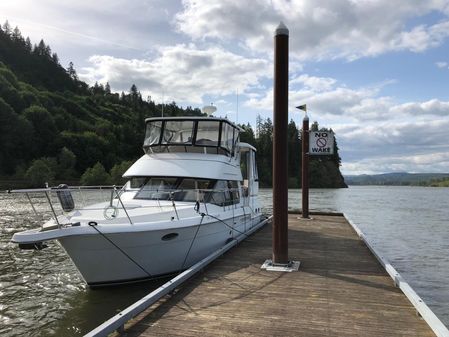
{"x":191,"y":134}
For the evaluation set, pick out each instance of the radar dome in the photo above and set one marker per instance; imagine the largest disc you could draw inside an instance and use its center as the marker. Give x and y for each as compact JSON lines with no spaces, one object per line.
{"x":209,"y":109}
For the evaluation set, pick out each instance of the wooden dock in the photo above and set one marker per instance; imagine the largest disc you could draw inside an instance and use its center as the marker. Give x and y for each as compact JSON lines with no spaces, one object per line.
{"x":340,"y":290}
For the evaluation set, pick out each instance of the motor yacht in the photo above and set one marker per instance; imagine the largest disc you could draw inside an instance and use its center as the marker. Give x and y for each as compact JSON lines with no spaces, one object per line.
{"x":192,"y":192}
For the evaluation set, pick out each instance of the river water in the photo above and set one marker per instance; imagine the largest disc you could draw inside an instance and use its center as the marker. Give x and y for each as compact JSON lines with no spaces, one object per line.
{"x":41,"y":293}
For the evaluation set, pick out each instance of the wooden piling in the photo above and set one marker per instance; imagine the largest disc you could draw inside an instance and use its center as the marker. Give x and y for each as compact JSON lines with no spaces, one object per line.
{"x":280,"y":167}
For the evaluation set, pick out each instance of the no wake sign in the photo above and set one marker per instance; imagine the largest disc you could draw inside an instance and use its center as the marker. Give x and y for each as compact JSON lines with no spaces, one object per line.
{"x":321,"y":143}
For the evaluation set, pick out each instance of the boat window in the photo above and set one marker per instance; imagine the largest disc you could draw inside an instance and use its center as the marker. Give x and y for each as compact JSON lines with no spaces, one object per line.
{"x":227,"y":136}
{"x":178,"y":132}
{"x":224,"y":193}
{"x":187,"y":190}
{"x":137,"y":182}
{"x":172,"y":188}
{"x":153,"y":133}
{"x":234,"y":187}
{"x":255,"y":173}
{"x":157,"y":188}
{"x":208,"y":133}
{"x":236,"y":139}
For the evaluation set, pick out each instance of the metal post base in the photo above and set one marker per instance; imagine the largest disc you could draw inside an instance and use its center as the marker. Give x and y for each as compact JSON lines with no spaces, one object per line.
{"x":268,"y":265}
{"x":301,"y":218}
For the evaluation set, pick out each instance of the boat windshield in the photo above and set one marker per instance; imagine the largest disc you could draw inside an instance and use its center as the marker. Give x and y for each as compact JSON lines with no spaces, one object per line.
{"x":184,"y":135}
{"x":219,"y":192}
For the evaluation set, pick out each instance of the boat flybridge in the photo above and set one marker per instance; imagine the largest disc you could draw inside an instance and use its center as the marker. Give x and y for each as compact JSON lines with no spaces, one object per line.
{"x":193,"y":191}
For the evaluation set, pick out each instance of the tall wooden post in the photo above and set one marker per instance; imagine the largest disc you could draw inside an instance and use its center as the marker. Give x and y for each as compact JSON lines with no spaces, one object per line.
{"x":280,"y":171}
{"x":305,"y":167}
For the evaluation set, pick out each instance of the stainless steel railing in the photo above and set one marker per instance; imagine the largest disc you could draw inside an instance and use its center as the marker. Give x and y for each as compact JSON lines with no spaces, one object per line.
{"x":45,"y":201}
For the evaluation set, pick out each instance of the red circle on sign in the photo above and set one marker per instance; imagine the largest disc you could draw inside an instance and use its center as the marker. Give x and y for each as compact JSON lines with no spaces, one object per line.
{"x":321,"y":142}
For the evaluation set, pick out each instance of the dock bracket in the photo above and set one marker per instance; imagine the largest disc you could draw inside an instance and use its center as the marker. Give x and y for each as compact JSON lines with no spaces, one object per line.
{"x":289,"y":267}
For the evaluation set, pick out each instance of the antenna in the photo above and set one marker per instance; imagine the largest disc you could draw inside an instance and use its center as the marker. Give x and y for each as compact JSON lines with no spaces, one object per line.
{"x":237,"y":108}
{"x":162,"y":102}
{"x":209,"y":109}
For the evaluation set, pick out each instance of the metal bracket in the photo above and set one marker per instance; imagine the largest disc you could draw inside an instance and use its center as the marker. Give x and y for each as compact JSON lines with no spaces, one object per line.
{"x":268,"y":265}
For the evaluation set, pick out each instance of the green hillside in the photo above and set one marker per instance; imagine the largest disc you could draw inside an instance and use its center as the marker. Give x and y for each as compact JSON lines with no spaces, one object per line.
{"x":56,"y":128}
{"x":48,"y":115}
{"x":399,"y":179}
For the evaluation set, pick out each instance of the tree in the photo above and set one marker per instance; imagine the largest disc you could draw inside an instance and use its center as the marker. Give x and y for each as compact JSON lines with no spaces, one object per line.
{"x":55,"y":58}
{"x":7,"y":28}
{"x":265,"y":152}
{"x":41,"y":49}
{"x":118,"y":170}
{"x":16,"y":35}
{"x":247,"y":136}
{"x":39,"y":173}
{"x":66,"y":161}
{"x":294,"y":153}
{"x":95,"y":175}
{"x":14,"y":138}
{"x":28,"y":45}
{"x":45,"y":132}
{"x":72,"y":72}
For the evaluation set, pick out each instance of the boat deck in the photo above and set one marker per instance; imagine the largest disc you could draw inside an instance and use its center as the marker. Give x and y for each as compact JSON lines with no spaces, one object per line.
{"x":340,"y":290}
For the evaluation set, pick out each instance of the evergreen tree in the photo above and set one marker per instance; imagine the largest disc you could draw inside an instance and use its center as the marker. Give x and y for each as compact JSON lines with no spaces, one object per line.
{"x":7,"y":28}
{"x":55,"y":58}
{"x":72,"y":72}
{"x":16,"y":35}
{"x":28,"y":45}
{"x":95,"y":175}
{"x":39,"y":173}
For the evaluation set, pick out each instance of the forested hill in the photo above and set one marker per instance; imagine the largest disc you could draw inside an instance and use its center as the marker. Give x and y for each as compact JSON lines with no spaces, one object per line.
{"x":324,"y":171}
{"x":55,"y":128}
{"x":400,"y":179}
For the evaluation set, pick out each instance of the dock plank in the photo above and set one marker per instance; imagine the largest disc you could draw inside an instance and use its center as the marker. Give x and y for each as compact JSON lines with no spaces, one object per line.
{"x":340,"y":290}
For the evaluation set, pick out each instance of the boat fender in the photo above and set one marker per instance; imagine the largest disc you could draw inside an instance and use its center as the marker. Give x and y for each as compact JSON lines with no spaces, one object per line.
{"x":65,"y":198}
{"x":35,"y":245}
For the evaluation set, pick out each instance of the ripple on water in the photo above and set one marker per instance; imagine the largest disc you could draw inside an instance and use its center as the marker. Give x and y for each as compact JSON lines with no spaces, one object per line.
{"x":42,"y":294}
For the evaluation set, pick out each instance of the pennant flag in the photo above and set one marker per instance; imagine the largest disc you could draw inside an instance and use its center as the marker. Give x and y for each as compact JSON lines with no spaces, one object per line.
{"x":302,"y":107}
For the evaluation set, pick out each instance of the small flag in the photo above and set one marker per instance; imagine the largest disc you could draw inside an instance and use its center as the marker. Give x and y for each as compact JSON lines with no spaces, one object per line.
{"x":302,"y":107}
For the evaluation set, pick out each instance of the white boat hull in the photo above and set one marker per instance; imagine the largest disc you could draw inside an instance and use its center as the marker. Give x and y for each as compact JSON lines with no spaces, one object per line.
{"x":133,"y":256}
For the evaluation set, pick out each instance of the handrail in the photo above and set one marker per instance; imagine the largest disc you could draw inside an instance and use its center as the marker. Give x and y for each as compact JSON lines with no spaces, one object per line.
{"x":124,"y":208}
{"x":201,"y":196}
{"x":69,"y":188}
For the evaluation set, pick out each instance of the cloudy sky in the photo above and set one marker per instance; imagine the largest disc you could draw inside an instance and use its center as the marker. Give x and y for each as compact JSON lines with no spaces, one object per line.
{"x":377,"y":72}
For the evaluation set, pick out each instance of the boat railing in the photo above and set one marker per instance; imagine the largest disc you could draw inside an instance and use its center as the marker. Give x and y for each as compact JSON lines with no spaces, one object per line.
{"x":62,"y":201}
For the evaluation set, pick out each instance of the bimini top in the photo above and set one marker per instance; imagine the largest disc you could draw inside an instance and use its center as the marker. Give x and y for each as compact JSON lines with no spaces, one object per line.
{"x":191,"y":134}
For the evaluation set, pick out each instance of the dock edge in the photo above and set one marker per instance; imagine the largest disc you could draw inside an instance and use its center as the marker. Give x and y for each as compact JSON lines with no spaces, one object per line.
{"x":117,"y":322}
{"x":421,"y":307}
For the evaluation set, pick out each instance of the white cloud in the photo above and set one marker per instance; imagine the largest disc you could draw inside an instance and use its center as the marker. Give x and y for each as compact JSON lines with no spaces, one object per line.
{"x":319,"y":29}
{"x":375,"y":133}
{"x":431,"y":107}
{"x":327,"y":97}
{"x":395,"y":146}
{"x":442,"y":64}
{"x":78,"y":29}
{"x":430,"y":162}
{"x":183,"y":72}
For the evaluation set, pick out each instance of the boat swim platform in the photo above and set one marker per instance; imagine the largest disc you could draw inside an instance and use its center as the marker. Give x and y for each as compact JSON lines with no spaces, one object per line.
{"x":341,"y":289}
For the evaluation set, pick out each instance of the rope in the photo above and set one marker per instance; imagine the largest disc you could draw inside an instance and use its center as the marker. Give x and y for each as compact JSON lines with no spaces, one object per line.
{"x":93,"y":224}
{"x":214,"y":217}
{"x":191,"y":244}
